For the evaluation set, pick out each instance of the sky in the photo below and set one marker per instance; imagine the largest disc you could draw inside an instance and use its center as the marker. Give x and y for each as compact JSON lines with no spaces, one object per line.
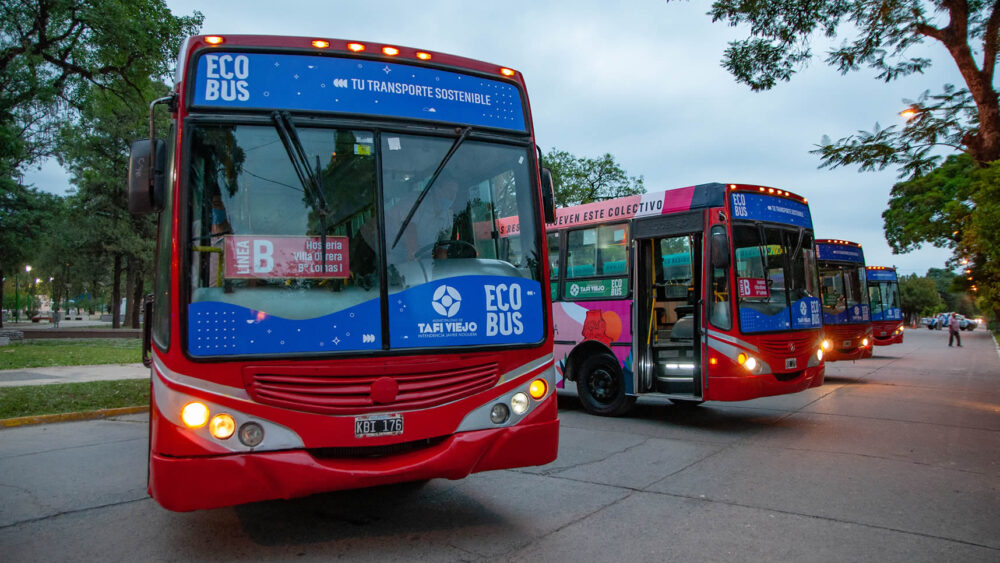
{"x":641,"y":80}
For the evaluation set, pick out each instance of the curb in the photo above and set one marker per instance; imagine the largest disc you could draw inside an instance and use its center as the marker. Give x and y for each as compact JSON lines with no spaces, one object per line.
{"x":69,"y":416}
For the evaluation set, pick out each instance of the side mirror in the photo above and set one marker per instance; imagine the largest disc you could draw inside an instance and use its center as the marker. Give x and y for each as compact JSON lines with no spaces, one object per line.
{"x":145,"y":185}
{"x":720,"y":248}
{"x":548,"y":196}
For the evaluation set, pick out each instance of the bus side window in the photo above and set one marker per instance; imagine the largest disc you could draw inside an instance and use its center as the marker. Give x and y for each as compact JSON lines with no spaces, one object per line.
{"x":553,"y":242}
{"x":721,"y":312}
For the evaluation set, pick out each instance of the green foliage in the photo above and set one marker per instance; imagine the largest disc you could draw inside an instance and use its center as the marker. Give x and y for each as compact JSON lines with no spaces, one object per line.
{"x":70,"y":352}
{"x":878,"y":35}
{"x":919,"y":296}
{"x":35,"y":400}
{"x":584,"y":180}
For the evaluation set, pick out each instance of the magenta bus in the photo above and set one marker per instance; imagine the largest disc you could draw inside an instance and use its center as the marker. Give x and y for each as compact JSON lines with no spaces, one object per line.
{"x":708,"y":292}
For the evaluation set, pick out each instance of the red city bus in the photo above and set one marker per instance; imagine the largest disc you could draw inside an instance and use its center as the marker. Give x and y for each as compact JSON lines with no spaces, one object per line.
{"x":846,"y":312}
{"x":887,"y":316}
{"x":334,"y":307}
{"x":701,"y":293}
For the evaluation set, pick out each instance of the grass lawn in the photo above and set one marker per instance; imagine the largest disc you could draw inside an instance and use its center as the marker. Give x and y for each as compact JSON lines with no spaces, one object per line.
{"x":70,"y":352}
{"x":32,"y":400}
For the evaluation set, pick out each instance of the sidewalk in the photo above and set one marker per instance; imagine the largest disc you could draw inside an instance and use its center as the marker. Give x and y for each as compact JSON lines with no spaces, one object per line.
{"x":71,"y":374}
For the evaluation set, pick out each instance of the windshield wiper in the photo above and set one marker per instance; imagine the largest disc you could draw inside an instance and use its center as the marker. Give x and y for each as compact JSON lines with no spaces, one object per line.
{"x":308,"y":176}
{"x":430,"y":182}
{"x":763,"y":256}
{"x":798,"y":244}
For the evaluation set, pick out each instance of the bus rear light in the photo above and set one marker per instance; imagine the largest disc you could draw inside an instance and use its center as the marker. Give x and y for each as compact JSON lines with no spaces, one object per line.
{"x":506,"y":71}
{"x":391,"y":51}
{"x":356,"y":47}
{"x":214,"y":40}
{"x":222,"y":427}
{"x":423,"y":56}
{"x":538,"y":389}
{"x":519,"y":403}
{"x":194,"y":415}
{"x":320,"y":43}
{"x":499,"y":413}
{"x":251,"y":434}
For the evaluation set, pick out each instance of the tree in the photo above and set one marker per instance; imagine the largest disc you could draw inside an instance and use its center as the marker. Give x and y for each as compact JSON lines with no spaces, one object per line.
{"x":881,"y":34}
{"x":51,"y":51}
{"x":25,"y":215}
{"x":918,"y":296}
{"x":583,"y":180}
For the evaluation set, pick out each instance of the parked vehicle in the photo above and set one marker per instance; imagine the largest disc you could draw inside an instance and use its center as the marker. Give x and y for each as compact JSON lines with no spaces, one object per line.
{"x":930,"y":322}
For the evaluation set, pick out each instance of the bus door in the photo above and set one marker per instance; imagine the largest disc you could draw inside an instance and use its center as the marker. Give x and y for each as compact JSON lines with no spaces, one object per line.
{"x":667,"y":307}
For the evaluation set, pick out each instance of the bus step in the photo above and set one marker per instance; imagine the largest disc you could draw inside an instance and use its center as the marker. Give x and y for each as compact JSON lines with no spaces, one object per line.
{"x":676,"y":386}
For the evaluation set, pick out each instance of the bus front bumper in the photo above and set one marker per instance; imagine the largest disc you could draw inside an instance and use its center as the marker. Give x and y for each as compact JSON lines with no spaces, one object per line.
{"x":744,"y":387}
{"x":192,"y":483}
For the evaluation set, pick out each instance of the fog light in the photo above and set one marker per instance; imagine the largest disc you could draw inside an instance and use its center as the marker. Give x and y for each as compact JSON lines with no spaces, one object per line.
{"x":519,"y":403}
{"x":195,"y":415}
{"x":222,"y":426}
{"x":826,"y":345}
{"x":537,"y":389}
{"x":251,"y":434}
{"x":499,"y":413}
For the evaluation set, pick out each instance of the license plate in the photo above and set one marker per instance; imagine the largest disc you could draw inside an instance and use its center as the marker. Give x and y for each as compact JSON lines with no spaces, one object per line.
{"x":378,"y":425}
{"x":790,"y":363}
{"x":847,"y":343}
{"x":883,"y":333}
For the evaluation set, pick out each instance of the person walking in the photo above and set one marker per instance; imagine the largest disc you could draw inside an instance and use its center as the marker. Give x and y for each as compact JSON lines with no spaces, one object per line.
{"x":953,"y":330}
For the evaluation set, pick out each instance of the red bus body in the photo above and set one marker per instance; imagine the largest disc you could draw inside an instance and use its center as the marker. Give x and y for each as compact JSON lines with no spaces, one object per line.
{"x":887,"y":317}
{"x":846,"y":311}
{"x":693,"y":294}
{"x":384,"y":411}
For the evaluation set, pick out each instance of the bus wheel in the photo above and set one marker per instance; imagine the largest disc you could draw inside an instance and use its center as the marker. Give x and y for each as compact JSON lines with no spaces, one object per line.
{"x":601,"y":387}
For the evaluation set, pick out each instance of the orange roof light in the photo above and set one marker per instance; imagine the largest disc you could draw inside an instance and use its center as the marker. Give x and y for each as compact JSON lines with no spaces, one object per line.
{"x":391,"y":51}
{"x":356,"y":47}
{"x":506,"y":71}
{"x":320,"y":43}
{"x":423,"y":56}
{"x":214,"y":40}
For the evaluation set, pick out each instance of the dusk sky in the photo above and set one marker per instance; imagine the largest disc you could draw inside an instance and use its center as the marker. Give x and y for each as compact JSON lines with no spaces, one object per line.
{"x":640,"y":80}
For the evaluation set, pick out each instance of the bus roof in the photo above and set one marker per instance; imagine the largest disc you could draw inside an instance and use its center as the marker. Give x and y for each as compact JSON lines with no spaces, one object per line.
{"x":839,"y":251}
{"x":642,"y":205}
{"x":881,"y":273}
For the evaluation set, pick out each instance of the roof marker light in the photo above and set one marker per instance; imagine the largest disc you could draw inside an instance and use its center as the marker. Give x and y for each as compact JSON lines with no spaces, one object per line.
{"x":391,"y":51}
{"x":356,"y":47}
{"x":506,"y":71}
{"x":214,"y":40}
{"x":423,"y":56}
{"x":320,"y":43}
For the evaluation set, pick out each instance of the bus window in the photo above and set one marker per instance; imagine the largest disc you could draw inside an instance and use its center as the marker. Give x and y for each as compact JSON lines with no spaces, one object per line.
{"x":581,"y":253}
{"x":721,"y":314}
{"x":553,"y":240}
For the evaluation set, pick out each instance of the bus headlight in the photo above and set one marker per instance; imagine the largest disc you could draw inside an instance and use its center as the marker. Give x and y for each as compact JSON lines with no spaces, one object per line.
{"x":519,"y":403}
{"x":819,"y":354}
{"x":499,"y":413}
{"x":826,"y":345}
{"x":251,"y":434}
{"x":194,"y":415}
{"x":864,"y":342}
{"x":746,"y":361}
{"x":222,"y":426}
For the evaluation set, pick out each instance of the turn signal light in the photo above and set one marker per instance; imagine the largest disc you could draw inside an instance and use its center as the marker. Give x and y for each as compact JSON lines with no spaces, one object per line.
{"x":194,"y":415}
{"x":538,"y":389}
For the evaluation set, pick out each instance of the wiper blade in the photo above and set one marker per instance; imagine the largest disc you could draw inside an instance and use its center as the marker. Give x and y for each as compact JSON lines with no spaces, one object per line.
{"x":763,"y":255}
{"x":798,"y":244}
{"x":430,"y":182}
{"x":308,"y":176}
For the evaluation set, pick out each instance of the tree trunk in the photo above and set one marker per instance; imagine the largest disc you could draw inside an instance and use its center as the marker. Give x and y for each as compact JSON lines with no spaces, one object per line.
{"x":136,"y":297}
{"x":130,"y":277}
{"x":116,"y":292}
{"x":1,"y":298}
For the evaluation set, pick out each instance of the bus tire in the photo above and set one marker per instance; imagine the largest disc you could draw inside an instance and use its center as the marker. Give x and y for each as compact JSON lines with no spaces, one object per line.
{"x":601,"y":386}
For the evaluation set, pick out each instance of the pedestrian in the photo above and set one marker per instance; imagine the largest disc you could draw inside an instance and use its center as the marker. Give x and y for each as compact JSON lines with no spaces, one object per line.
{"x":953,"y":330}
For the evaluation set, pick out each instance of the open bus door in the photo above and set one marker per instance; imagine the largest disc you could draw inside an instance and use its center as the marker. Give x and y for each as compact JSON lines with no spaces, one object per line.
{"x":668,"y":308}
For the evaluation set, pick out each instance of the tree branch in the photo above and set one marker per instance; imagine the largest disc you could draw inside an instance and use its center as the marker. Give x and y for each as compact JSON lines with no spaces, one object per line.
{"x":990,"y":39}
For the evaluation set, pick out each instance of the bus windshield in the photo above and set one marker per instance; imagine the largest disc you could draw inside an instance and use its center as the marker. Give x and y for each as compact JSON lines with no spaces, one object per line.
{"x":884,"y":297}
{"x":776,"y":278}
{"x":843,"y":293}
{"x":284,"y":228}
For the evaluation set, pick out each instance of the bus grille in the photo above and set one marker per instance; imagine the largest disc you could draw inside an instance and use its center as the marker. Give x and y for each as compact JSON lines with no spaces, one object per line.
{"x":782,"y":346}
{"x":328,"y":393}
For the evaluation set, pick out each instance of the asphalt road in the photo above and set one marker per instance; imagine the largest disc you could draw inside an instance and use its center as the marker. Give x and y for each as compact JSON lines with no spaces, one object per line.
{"x":894,"y":459}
